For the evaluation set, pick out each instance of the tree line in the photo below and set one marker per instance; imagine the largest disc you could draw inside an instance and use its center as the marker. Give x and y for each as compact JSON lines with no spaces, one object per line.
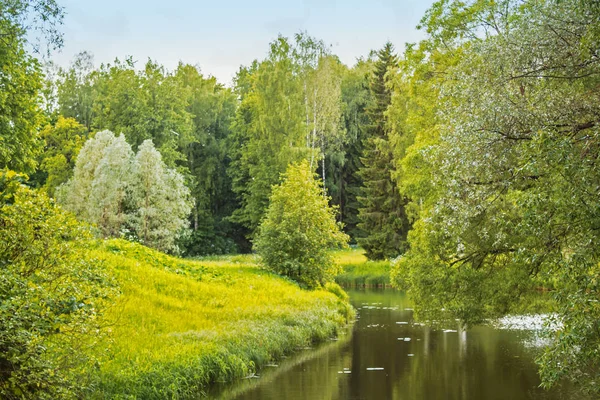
{"x":231,"y":145}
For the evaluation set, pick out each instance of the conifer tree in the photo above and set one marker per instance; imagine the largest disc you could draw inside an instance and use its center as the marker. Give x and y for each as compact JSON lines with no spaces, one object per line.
{"x":382,"y":216}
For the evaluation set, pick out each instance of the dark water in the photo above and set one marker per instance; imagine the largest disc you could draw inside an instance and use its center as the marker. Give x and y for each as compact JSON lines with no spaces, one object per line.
{"x":481,"y":363}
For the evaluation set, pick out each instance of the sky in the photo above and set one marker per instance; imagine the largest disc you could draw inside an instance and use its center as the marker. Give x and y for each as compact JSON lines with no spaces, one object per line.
{"x":221,"y":35}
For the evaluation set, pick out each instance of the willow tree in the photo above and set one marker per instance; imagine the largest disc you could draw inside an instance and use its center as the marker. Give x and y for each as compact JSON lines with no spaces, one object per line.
{"x":137,"y":197}
{"x":160,"y":200}
{"x":74,"y":194}
{"x":516,"y":177}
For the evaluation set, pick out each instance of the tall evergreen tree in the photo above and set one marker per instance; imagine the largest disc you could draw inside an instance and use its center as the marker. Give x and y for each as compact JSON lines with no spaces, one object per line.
{"x":382,"y":215}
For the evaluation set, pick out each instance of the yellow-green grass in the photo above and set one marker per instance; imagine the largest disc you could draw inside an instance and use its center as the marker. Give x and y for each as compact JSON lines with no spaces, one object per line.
{"x":180,"y":325}
{"x":357,"y":271}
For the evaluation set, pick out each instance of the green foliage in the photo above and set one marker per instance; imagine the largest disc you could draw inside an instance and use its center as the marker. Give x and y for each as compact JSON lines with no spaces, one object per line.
{"x":51,"y":296}
{"x":383,"y":221}
{"x":344,"y":182}
{"x":181,"y":325}
{"x":62,"y":142}
{"x":269,"y":130}
{"x":149,"y":104}
{"x":299,"y":229}
{"x":75,"y":90}
{"x":212,"y":108}
{"x":20,"y":77}
{"x":511,"y":204}
{"x":20,"y":114}
{"x":186,"y":115}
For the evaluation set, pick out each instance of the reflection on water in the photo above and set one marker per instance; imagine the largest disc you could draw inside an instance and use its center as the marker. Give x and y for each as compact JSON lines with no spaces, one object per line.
{"x":386,"y":356}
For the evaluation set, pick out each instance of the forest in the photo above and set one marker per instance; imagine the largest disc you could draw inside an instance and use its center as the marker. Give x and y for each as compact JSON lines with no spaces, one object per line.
{"x":468,"y":160}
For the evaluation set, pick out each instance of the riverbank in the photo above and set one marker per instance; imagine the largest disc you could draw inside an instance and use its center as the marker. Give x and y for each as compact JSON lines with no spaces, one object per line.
{"x":359,"y":272}
{"x":181,"y":325}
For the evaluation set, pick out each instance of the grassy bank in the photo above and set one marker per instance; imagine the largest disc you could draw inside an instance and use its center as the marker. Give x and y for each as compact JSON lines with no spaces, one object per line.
{"x":357,"y":271}
{"x":181,"y":325}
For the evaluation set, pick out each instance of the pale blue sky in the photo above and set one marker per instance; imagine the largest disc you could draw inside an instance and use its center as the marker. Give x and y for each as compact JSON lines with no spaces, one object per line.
{"x":219,"y":36}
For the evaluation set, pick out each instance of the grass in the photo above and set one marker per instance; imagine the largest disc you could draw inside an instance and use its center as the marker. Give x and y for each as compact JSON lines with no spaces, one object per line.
{"x":181,"y":325}
{"x":357,"y":271}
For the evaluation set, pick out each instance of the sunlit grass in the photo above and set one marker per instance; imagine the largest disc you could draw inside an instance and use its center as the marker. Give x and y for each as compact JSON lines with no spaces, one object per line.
{"x":181,"y":325}
{"x":358,"y":271}
{"x":349,"y":257}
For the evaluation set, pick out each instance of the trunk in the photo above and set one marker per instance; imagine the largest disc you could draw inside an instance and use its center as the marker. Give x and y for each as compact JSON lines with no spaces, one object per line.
{"x":307,"y":116}
{"x":314,"y":131}
{"x":323,"y":172}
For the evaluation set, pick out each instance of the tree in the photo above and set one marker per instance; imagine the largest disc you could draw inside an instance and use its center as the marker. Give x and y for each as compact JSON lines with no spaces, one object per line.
{"x":147,"y":104}
{"x":161,"y":202}
{"x":125,"y":195}
{"x":382,"y":216}
{"x":299,"y":229}
{"x":212,"y":107}
{"x":21,"y":80}
{"x":75,"y":90}
{"x":269,"y":131}
{"x":75,"y":194}
{"x":516,"y":177}
{"x":320,"y":74}
{"x":52,"y":293}
{"x":62,"y":142}
{"x":107,"y":200}
{"x":20,"y":114}
{"x":344,"y":181}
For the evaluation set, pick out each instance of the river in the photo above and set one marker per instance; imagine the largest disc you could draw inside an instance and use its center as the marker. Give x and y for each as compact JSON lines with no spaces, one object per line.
{"x":386,"y":356}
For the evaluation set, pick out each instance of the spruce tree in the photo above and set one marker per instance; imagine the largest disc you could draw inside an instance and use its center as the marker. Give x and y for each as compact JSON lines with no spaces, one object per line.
{"x":382,"y":216}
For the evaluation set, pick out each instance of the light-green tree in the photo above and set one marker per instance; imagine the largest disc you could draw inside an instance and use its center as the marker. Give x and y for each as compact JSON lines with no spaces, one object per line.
{"x":269,"y":130}
{"x":62,"y":143}
{"x":110,"y":188}
{"x":299,"y":229}
{"x":74,"y":195}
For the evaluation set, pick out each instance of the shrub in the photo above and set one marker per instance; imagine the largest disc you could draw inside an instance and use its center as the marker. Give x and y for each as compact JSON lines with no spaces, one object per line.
{"x":299,"y":228}
{"x":51,"y":293}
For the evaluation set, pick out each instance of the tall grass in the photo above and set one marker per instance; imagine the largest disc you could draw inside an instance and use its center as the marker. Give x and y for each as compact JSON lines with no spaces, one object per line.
{"x":181,"y":325}
{"x":357,"y":271}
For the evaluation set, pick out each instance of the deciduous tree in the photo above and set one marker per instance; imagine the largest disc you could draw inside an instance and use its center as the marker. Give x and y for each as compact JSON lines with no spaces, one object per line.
{"x":299,"y":229}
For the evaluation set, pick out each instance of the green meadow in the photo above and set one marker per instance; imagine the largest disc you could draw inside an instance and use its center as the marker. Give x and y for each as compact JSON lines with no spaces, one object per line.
{"x":358,"y":271}
{"x":179,"y":326}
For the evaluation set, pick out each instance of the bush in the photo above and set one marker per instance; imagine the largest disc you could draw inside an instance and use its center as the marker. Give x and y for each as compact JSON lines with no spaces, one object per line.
{"x":299,"y":228}
{"x":51,"y":293}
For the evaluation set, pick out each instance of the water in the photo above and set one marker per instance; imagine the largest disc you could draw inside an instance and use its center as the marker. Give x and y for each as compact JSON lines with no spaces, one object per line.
{"x":386,"y":356}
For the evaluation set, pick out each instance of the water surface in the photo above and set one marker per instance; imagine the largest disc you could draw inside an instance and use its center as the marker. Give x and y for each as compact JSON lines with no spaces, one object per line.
{"x":387,"y":356}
